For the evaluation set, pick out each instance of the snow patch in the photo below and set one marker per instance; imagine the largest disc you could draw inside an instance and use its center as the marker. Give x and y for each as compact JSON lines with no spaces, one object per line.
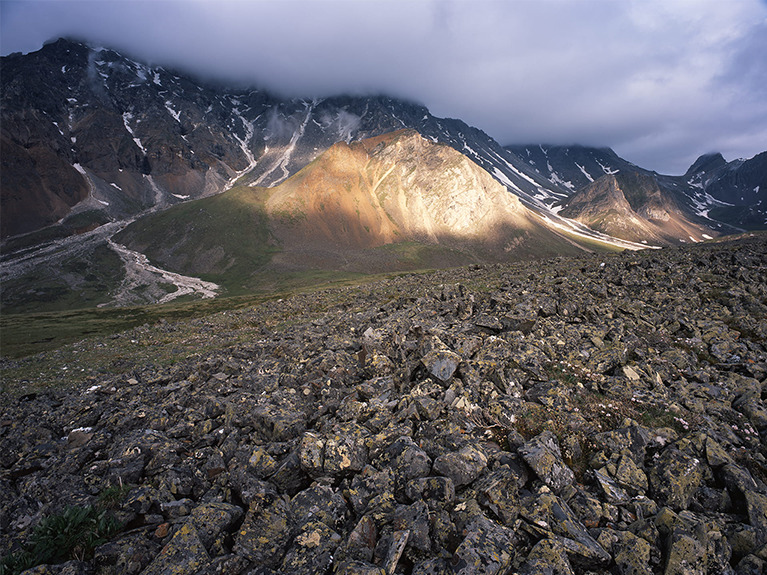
{"x":584,"y":172}
{"x":180,"y":197}
{"x":707,"y":237}
{"x":127,"y":117}
{"x":555,"y":179}
{"x":607,"y":169}
{"x":80,"y":169}
{"x":503,"y":178}
{"x":283,"y":161}
{"x":244,"y":146}
{"x":115,"y":186}
{"x":176,"y":115}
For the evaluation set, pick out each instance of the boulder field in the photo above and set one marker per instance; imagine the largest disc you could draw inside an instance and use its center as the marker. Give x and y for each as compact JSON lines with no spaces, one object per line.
{"x":602,"y":414}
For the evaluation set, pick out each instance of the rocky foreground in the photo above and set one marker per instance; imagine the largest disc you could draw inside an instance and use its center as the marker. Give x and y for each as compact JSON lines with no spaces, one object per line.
{"x":604,"y":414}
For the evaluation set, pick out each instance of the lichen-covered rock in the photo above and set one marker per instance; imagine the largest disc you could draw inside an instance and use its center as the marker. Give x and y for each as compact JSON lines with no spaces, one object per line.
{"x":278,"y":422}
{"x":266,"y":532}
{"x":185,"y":553}
{"x":358,"y":568}
{"x":548,"y":556}
{"x":396,"y":428}
{"x":542,"y":454}
{"x":312,"y":550}
{"x":756,"y":505}
{"x":487,"y":549}
{"x":345,"y":453}
{"x":686,"y":554}
{"x":407,"y":460}
{"x":441,"y":363}
{"x":675,"y":477}
{"x":436,"y":491}
{"x":319,"y":503}
{"x":548,"y":514}
{"x":463,"y":466}
{"x":631,"y":553}
{"x":498,"y":492}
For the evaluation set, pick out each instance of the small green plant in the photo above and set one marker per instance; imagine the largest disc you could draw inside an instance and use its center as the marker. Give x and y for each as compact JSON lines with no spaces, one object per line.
{"x":72,"y":534}
{"x":112,"y":496}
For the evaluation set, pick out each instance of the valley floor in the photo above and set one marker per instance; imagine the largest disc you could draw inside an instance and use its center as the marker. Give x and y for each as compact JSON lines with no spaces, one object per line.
{"x":600,"y":414}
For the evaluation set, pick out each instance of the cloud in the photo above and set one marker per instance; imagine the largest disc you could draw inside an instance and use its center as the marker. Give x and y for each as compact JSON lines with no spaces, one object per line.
{"x":659,"y":81}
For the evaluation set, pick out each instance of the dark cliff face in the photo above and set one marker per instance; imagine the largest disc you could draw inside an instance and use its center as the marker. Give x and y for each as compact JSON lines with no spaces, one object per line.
{"x":90,"y":127}
{"x":706,"y":163}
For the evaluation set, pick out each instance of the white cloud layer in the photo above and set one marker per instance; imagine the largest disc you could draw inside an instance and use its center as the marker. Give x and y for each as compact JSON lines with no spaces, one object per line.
{"x":660,"y":81}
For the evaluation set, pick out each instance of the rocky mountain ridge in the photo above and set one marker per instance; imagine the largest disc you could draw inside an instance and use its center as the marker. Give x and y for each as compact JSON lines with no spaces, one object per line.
{"x":357,"y":208}
{"x":92,"y":139}
{"x":127,"y":137}
{"x":724,"y":194}
{"x":135,"y":137}
{"x":526,"y":418}
{"x":631,"y":206}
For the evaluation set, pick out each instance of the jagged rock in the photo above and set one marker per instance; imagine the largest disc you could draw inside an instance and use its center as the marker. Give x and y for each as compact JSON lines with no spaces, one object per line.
{"x":414,"y":518}
{"x":751,"y":565}
{"x":675,"y":477}
{"x":630,"y":553}
{"x":463,"y":466}
{"x":756,"y":505}
{"x":361,"y":542}
{"x":266,"y":532}
{"x":185,"y":553}
{"x":345,"y":453}
{"x":543,"y":455}
{"x":319,"y":503}
{"x":547,"y":556}
{"x":407,"y":460}
{"x":359,"y":568}
{"x":441,"y":363}
{"x":312,"y":550}
{"x":685,"y":554}
{"x":278,"y":422}
{"x":549,"y":515}
{"x":487,"y":549}
{"x":211,"y":520}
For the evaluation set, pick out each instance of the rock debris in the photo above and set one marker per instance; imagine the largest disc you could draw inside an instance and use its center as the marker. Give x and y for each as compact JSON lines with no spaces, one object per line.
{"x":596,"y":415}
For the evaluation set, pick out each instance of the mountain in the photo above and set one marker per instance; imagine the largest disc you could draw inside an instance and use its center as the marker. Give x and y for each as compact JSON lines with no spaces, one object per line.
{"x":392,"y":202}
{"x":89,"y":131}
{"x":724,"y":196}
{"x":91,"y":140}
{"x":739,"y":188}
{"x":631,"y":205}
{"x":571,"y":168}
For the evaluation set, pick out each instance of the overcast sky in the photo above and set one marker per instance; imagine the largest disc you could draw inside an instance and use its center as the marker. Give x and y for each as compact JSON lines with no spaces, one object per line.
{"x":660,"y":81}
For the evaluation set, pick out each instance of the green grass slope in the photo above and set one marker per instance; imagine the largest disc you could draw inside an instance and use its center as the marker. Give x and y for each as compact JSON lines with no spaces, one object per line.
{"x":224,"y":238}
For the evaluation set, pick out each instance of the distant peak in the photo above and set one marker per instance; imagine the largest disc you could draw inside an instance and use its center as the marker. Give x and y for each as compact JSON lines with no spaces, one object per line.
{"x":706,"y":163}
